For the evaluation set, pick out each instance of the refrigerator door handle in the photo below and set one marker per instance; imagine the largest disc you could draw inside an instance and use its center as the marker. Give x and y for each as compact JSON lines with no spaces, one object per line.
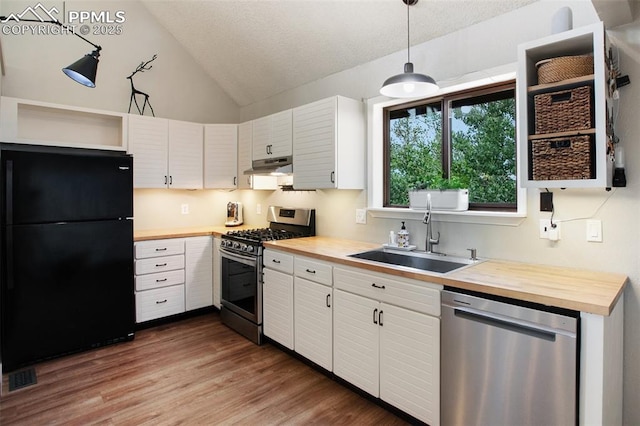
{"x":9,"y":193}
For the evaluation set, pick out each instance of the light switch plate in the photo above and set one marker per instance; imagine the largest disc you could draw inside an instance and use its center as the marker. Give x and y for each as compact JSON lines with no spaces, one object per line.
{"x":594,"y":231}
{"x":184,"y":208}
{"x":361,"y":216}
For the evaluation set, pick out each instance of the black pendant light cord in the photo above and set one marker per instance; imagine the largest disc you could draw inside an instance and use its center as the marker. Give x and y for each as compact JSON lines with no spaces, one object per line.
{"x":4,"y":19}
{"x":409,"y":2}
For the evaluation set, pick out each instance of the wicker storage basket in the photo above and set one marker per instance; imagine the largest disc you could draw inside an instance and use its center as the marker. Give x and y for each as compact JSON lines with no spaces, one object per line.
{"x":563,"y":68}
{"x":562,"y":158}
{"x":563,"y":111}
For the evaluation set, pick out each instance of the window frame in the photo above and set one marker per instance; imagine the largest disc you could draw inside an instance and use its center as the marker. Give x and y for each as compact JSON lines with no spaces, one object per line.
{"x":446,"y":101}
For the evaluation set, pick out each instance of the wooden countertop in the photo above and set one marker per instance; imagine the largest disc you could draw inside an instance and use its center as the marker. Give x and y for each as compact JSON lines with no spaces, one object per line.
{"x":581,"y":290}
{"x":201,"y":231}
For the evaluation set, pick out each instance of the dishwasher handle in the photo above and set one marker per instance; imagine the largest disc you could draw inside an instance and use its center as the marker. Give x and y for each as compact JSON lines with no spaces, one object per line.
{"x":506,"y":324}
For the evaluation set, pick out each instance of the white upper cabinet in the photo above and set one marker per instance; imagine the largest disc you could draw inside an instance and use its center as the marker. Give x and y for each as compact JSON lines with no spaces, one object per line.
{"x":185,"y":155}
{"x":272,"y":136}
{"x":148,"y":143}
{"x":329,"y":144}
{"x":556,"y":149}
{"x":166,"y":153}
{"x":220,"y":153}
{"x":245,"y":148}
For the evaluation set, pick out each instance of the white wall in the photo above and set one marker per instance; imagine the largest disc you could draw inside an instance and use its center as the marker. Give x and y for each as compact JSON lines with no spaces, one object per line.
{"x":177,"y":86}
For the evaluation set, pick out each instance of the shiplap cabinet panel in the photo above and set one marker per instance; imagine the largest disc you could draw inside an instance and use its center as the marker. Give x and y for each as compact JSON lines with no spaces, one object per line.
{"x":272,"y":136}
{"x":198,"y":272}
{"x":313,"y":321}
{"x":220,"y":156}
{"x":329,"y":143}
{"x":356,"y":341}
{"x":410,"y":362}
{"x":185,"y":155}
{"x":148,"y":143}
{"x":277,"y":307}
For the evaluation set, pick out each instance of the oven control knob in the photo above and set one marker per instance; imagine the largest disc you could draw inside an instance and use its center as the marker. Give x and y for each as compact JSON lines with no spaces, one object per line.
{"x":236,"y":245}
{"x":243,"y":247}
{"x":249,"y":249}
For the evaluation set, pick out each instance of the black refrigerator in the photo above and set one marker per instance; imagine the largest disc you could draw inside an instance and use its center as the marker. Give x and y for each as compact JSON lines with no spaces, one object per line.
{"x":66,"y":252}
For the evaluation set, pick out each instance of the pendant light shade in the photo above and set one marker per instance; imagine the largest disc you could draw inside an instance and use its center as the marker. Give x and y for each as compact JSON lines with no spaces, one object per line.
{"x":84,"y":69}
{"x":409,"y":84}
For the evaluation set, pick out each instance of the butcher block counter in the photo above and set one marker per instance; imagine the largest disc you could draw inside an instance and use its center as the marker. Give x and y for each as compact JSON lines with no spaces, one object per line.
{"x":201,"y":231}
{"x":581,"y":290}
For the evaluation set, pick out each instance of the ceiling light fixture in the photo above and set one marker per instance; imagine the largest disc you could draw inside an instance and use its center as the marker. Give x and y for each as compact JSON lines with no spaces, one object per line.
{"x":84,"y":69}
{"x":408,"y":84}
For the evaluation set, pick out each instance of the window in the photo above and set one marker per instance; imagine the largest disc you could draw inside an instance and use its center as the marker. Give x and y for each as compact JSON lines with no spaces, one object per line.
{"x":462,"y":140}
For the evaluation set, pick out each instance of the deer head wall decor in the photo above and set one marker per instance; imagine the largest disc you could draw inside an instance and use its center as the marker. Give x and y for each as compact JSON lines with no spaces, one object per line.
{"x":144,"y":66}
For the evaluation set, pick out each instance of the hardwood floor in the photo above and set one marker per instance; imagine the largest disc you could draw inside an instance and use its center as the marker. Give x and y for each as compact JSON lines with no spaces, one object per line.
{"x":195,"y":371}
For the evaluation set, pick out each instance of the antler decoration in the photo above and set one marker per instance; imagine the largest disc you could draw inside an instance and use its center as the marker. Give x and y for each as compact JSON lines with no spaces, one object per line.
{"x":144,"y":66}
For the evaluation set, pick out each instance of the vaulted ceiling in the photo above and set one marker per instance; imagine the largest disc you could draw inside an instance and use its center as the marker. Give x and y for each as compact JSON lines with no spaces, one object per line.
{"x":255,"y":49}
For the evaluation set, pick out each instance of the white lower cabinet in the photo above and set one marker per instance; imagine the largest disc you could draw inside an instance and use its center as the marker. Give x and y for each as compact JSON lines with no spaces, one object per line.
{"x":382,"y":347}
{"x":198,"y":272}
{"x":313,"y":321}
{"x":172,"y":276}
{"x":277,"y":307}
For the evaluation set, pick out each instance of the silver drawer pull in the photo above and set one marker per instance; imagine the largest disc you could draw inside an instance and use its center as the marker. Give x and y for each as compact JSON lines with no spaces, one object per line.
{"x":161,"y":280}
{"x":161,"y":301}
{"x":275,"y":261}
{"x":311,"y":271}
{"x":161,"y":249}
{"x":158,"y":265}
{"x":377,"y":286}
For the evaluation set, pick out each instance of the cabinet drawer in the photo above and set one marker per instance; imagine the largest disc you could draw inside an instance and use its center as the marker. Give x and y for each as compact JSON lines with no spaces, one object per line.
{"x":157,"y":248}
{"x":313,"y":270}
{"x":160,"y":302}
{"x":279,"y":261}
{"x":160,"y":279}
{"x":159,"y":264}
{"x":411,"y":294}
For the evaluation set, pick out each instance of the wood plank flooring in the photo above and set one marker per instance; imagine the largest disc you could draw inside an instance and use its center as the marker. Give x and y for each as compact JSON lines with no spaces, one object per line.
{"x":194,"y":371}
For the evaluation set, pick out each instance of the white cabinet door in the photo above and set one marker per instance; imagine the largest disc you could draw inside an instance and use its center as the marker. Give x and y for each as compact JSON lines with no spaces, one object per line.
{"x":410,"y":362}
{"x":277,"y":307}
{"x":313,"y":322}
{"x":220,"y":156}
{"x":281,"y":134}
{"x":185,"y":155}
{"x":272,"y":136}
{"x":329,"y":144}
{"x":217,"y":273}
{"x":245,"y":140}
{"x":356,"y":340}
{"x":198,"y":272}
{"x":148,"y":143}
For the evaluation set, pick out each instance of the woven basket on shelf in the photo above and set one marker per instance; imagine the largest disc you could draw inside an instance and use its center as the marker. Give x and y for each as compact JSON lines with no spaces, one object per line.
{"x":562,"y":158}
{"x":564,"y":68}
{"x":563,"y":111}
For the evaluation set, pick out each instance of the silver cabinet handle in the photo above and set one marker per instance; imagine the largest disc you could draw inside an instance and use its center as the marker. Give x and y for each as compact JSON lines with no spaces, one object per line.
{"x":159,"y":265}
{"x":161,"y":301}
{"x":311,"y":271}
{"x":378,"y":286}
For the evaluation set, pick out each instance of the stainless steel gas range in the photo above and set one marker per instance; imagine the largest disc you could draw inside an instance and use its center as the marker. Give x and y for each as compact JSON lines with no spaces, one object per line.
{"x":241,"y":256}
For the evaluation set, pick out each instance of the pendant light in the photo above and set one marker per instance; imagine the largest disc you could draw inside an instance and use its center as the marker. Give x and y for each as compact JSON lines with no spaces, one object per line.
{"x":408,"y":84}
{"x":83,"y":70}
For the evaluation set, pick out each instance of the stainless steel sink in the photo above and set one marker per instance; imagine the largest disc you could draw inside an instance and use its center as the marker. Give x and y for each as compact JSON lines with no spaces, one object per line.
{"x":416,"y":260}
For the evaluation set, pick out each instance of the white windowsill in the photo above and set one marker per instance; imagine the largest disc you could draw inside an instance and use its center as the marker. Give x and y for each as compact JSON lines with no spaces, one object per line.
{"x":470,"y":216}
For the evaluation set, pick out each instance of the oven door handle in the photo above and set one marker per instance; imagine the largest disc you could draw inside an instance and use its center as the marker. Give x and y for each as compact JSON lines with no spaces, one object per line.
{"x":247,"y":260}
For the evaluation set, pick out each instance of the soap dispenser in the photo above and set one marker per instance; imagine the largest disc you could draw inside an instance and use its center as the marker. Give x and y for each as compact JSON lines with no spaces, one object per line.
{"x":403,"y":236}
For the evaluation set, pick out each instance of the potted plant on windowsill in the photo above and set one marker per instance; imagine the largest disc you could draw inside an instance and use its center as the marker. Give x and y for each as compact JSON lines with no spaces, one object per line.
{"x":446,"y":194}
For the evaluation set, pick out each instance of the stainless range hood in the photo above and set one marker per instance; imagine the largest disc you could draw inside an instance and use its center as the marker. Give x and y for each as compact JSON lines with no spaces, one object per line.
{"x":271,"y":166}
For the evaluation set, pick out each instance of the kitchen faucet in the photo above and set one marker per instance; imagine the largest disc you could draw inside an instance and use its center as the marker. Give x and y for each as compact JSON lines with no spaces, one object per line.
{"x":427,"y":220}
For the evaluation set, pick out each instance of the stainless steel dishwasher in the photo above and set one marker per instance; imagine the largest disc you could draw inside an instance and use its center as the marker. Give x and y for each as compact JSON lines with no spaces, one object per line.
{"x":506,"y":364}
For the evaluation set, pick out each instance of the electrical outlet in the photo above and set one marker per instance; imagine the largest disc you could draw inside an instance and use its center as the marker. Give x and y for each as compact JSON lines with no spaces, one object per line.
{"x":361,"y":216}
{"x":258,"y":208}
{"x":547,"y":232}
{"x":184,"y":208}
